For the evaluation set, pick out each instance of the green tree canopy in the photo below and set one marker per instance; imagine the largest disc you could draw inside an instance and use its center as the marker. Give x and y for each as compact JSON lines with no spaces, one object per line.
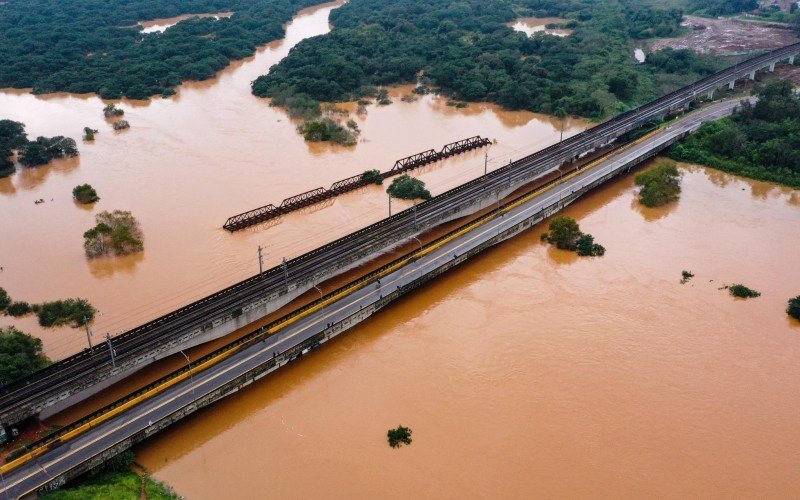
{"x":659,"y":185}
{"x":564,"y":232}
{"x":20,"y":355}
{"x":408,"y":188}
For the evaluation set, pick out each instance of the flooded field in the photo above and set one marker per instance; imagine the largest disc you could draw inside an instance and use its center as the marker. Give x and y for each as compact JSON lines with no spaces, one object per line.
{"x":190,"y":161}
{"x":531,"y":372}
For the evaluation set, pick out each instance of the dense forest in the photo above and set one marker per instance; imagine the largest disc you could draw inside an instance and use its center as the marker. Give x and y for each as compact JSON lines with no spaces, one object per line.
{"x":466,"y":49}
{"x":96,"y":45}
{"x":761,"y":141}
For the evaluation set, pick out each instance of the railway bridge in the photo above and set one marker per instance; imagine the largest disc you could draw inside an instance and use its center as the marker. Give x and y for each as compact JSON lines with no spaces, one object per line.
{"x":75,"y":378}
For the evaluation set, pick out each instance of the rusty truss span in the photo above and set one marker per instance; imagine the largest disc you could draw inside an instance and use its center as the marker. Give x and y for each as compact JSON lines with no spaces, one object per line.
{"x":302,"y":200}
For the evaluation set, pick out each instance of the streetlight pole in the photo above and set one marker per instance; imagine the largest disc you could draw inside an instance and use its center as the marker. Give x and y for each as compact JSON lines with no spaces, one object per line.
{"x":260,"y":260}
{"x":390,"y":205}
{"x":88,"y":331}
{"x":191,"y":377}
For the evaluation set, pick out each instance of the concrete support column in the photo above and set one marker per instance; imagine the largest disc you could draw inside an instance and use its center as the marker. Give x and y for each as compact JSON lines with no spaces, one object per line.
{"x":731,"y":84}
{"x":772,"y":67}
{"x":753,"y":75}
{"x":711,"y":96}
{"x":791,"y":60}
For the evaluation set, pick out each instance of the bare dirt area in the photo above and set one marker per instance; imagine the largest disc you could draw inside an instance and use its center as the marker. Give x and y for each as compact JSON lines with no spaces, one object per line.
{"x":727,"y":37}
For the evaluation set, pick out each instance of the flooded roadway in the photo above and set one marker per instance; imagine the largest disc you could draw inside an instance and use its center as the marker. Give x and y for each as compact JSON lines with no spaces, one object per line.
{"x":190,"y":161}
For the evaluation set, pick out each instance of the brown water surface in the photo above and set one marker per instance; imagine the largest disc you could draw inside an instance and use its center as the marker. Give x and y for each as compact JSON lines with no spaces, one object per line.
{"x":161,"y":25}
{"x":530,"y":372}
{"x":531,"y":25}
{"x":190,"y":161}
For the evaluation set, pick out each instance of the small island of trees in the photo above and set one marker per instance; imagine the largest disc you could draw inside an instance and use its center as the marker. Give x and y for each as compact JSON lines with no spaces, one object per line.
{"x":72,"y":312}
{"x":565,"y":233}
{"x":406,"y":187}
{"x":41,"y":151}
{"x":88,"y":133}
{"x":115,"y":233}
{"x":85,"y":194}
{"x":112,"y":111}
{"x":328,"y":129}
{"x":659,"y":185}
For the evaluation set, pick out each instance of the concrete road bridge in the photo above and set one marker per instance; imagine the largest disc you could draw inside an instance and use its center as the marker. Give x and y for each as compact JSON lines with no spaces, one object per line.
{"x":75,"y":378}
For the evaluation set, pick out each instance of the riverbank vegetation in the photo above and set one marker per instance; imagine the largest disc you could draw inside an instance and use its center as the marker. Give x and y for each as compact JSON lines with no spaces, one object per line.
{"x":97,"y":45}
{"x":85,"y":194}
{"x":41,"y":151}
{"x":20,"y":355}
{"x":399,"y":436}
{"x":743,"y":292}
{"x":793,"y":309}
{"x":659,"y":185}
{"x":468,"y":52}
{"x":760,"y":141}
{"x":114,"y":479}
{"x":406,"y":187}
{"x":565,"y":234}
{"x":115,"y":233}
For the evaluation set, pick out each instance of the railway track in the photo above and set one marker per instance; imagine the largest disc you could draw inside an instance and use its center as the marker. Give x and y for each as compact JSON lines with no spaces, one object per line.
{"x":17,"y":398}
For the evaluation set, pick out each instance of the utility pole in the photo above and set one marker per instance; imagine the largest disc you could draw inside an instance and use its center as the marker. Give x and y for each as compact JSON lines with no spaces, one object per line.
{"x":111,"y":350}
{"x":390,"y":205}
{"x":485,"y":162}
{"x":260,"y":260}
{"x":414,"y":211}
{"x":285,"y":272}
{"x":88,"y":331}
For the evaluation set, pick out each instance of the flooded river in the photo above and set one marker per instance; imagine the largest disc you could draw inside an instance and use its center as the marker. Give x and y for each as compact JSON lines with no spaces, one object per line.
{"x":531,"y":372}
{"x":528,"y":372}
{"x":190,"y":161}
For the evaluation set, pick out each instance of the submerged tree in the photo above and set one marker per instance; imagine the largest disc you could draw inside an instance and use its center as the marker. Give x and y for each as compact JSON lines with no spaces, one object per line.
{"x":399,"y":436}
{"x":85,"y":194}
{"x":742,"y":291}
{"x":408,"y":188}
{"x":660,"y":185}
{"x":793,"y":309}
{"x":111,"y":111}
{"x":72,"y":312}
{"x":88,"y":133}
{"x":372,"y":177}
{"x":565,"y":233}
{"x":5,"y":300}
{"x":116,"y":232}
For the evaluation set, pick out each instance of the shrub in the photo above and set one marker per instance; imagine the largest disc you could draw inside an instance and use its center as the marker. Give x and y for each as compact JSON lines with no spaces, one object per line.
{"x":686,"y":276}
{"x":564,"y":232}
{"x":742,"y":291}
{"x":85,"y":194}
{"x":20,"y":355}
{"x":118,"y":463}
{"x":111,"y":111}
{"x":660,"y":184}
{"x":72,"y":312}
{"x":19,"y":309}
{"x":399,"y":436}
{"x":372,"y":177}
{"x":408,"y":188}
{"x":383,"y":97}
{"x":88,"y":133}
{"x":327,"y":129}
{"x":121,"y":125}
{"x":793,"y":309}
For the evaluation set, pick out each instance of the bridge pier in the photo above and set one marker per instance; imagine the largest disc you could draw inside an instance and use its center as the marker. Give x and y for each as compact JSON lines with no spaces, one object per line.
{"x":711,"y":95}
{"x":791,"y":60}
{"x":731,"y":84}
{"x":772,"y":68}
{"x":752,"y":75}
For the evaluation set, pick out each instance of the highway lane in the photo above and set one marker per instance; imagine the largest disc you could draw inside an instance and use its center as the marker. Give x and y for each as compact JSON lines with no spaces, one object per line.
{"x":21,"y":399}
{"x":33,"y":475}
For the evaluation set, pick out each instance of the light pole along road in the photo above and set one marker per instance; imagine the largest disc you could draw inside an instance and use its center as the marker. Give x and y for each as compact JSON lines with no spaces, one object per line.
{"x":144,"y":418}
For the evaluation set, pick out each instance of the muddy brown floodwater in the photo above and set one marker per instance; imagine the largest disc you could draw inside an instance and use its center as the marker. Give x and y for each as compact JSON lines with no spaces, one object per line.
{"x":530,"y":372}
{"x":531,"y":25}
{"x":161,"y":25}
{"x":190,"y":161}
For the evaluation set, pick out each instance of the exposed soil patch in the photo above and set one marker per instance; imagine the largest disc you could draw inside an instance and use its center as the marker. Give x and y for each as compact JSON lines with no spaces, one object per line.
{"x":727,"y":37}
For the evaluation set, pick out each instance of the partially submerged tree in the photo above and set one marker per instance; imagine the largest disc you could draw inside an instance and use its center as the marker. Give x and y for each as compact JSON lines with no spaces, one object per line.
{"x":121,"y":125}
{"x":372,"y":177}
{"x":659,"y":185}
{"x":116,"y":232}
{"x":742,"y":291}
{"x":88,"y":133}
{"x":328,"y":129}
{"x":19,"y":309}
{"x":111,"y":111}
{"x":408,"y":188}
{"x":5,"y":300}
{"x":44,"y":149}
{"x":793,"y":309}
{"x":399,"y":436}
{"x":20,"y":355}
{"x":565,"y":233}
{"x":72,"y":312}
{"x":85,"y":194}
